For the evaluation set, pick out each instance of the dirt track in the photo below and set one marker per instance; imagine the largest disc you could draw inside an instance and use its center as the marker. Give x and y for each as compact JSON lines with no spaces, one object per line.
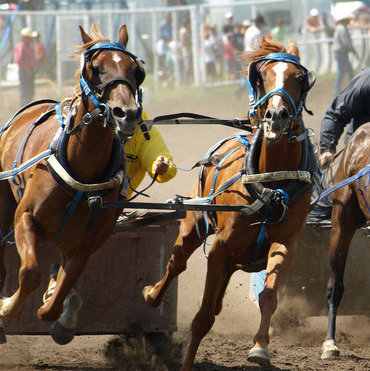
{"x":297,"y":347}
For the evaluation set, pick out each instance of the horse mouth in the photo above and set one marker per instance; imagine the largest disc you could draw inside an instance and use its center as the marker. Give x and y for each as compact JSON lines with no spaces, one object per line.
{"x":126,"y":129}
{"x":272,"y":136}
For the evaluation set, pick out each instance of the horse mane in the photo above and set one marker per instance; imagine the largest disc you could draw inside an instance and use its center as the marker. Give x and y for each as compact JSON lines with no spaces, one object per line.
{"x":266,"y":47}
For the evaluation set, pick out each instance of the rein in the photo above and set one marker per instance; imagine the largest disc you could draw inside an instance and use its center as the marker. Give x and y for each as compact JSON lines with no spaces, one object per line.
{"x":355,"y":178}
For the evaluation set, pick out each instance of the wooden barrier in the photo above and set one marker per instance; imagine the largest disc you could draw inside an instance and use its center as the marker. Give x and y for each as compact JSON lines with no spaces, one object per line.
{"x":110,"y":286}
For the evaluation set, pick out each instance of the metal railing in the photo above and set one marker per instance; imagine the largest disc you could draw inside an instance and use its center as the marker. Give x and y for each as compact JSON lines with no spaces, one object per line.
{"x":59,"y":32}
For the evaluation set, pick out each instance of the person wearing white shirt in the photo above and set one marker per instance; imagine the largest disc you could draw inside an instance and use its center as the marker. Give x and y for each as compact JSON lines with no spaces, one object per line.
{"x":254,"y":33}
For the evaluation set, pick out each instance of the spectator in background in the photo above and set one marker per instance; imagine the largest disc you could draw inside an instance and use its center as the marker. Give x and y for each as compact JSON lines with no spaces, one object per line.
{"x":238,"y":34}
{"x":209,"y":56}
{"x":328,"y":28}
{"x":40,"y":53}
{"x":218,"y":50}
{"x":229,"y":23}
{"x":2,"y":25}
{"x":313,"y":23}
{"x":279,"y":32}
{"x":254,"y":33}
{"x":232,"y":65}
{"x":165,"y":27}
{"x":163,"y":49}
{"x":342,"y":46}
{"x":186,"y":50}
{"x":245,"y":25}
{"x":24,"y":56}
{"x":315,"y":27}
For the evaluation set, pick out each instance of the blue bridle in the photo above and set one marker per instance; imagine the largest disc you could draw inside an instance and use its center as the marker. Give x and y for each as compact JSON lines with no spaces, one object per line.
{"x":89,"y":92}
{"x":254,"y":102}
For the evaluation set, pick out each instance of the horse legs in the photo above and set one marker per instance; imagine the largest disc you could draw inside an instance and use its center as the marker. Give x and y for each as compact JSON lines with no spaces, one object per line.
{"x":67,"y":277}
{"x":186,"y":243}
{"x":343,"y":229}
{"x":29,"y":272}
{"x":278,"y":262}
{"x":216,"y":282}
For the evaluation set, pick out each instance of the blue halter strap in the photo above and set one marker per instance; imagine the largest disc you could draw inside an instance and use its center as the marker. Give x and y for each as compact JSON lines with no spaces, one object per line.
{"x":254,"y":102}
{"x":85,"y":86}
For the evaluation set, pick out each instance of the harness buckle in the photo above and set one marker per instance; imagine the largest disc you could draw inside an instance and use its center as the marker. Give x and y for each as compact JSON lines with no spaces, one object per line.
{"x":87,"y":118}
{"x":237,"y":123}
{"x":95,"y":202}
{"x":292,"y":139}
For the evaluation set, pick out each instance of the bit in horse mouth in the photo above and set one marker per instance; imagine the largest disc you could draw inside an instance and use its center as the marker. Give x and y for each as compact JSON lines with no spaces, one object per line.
{"x":270,"y":135}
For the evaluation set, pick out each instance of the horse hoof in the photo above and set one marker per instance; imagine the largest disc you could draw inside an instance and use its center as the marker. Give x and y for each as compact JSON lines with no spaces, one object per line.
{"x":60,"y":334}
{"x":146,"y":295}
{"x":329,"y":350}
{"x":260,"y":356}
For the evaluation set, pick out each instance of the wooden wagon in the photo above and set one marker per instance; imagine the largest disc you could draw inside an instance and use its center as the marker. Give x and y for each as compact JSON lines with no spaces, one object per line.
{"x":110,"y":286}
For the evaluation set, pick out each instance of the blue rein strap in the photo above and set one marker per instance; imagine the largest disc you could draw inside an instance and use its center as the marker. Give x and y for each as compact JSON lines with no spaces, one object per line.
{"x":343,"y":183}
{"x":212,"y":194}
{"x":361,"y":173}
{"x":70,"y":210}
{"x":7,"y":239}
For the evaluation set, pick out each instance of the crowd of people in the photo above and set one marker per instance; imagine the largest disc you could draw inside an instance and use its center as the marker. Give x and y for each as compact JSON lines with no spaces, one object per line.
{"x":221,"y":45}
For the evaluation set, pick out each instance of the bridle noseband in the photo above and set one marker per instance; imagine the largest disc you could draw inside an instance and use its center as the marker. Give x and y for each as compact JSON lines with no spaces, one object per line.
{"x":255,"y":102}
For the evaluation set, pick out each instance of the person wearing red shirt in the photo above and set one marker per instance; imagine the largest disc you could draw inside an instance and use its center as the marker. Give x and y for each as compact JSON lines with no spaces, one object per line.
{"x":40,"y":53}
{"x":24,"y":56}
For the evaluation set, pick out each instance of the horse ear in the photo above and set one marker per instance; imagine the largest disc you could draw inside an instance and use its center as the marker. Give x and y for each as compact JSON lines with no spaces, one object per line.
{"x":293,"y":49}
{"x":84,"y":36}
{"x":123,"y":36}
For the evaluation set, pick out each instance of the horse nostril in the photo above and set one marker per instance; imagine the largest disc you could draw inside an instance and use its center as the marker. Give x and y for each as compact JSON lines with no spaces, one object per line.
{"x":283,"y":114}
{"x":268,"y":115}
{"x":118,"y":112}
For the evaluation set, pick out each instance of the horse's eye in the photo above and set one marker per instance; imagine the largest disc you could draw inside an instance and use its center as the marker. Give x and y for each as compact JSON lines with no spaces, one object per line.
{"x":96,"y":70}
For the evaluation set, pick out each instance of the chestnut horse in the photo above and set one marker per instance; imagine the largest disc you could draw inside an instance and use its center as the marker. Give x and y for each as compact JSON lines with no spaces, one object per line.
{"x":265,"y":235}
{"x":51,"y":204}
{"x":351,"y":210}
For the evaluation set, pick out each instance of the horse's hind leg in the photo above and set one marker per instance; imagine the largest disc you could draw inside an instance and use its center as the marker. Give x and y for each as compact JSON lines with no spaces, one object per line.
{"x":29,"y":272}
{"x":186,"y":243}
{"x":342,"y":231}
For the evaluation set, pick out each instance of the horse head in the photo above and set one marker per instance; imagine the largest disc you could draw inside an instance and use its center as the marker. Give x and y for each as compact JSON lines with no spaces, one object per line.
{"x":278,"y":84}
{"x":111,"y":77}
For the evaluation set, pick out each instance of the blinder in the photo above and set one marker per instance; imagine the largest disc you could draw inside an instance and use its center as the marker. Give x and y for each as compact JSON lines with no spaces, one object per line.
{"x":140,"y":72}
{"x":308,"y":81}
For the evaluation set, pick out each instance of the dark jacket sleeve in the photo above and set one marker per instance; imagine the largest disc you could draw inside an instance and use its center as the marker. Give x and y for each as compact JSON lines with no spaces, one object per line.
{"x":351,"y":103}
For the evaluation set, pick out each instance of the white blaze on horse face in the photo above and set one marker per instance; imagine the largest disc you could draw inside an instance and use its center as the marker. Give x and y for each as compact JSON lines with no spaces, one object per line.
{"x":116,"y":58}
{"x":279,"y":70}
